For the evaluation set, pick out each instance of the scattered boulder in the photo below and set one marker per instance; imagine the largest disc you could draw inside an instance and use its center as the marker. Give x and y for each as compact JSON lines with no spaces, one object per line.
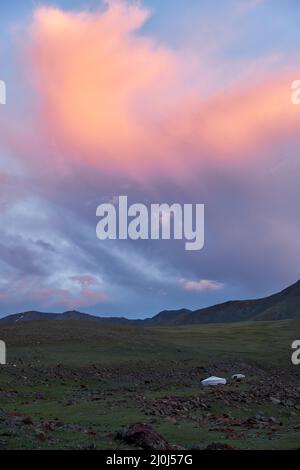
{"x":27,"y":420}
{"x":275,"y":401}
{"x":39,"y":396}
{"x":40,"y":436}
{"x":144,"y":436}
{"x":219,"y":446}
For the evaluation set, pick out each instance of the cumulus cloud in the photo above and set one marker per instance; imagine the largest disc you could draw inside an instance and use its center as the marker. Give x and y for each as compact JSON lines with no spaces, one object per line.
{"x":200,"y":285}
{"x":117,"y":100}
{"x":102,"y":87}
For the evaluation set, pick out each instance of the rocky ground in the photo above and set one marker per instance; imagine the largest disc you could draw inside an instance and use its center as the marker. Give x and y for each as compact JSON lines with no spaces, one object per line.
{"x":60,"y":397}
{"x":169,"y":408}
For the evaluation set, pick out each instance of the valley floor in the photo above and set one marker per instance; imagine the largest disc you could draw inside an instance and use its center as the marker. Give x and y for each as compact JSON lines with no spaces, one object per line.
{"x":75,"y":385}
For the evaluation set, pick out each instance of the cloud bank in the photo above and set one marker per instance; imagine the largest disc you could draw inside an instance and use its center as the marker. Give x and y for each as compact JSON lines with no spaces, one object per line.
{"x":117,"y":100}
{"x":109,"y":108}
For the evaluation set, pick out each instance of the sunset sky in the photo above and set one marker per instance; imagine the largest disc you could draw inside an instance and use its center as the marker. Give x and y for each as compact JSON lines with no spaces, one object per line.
{"x":163,"y":101}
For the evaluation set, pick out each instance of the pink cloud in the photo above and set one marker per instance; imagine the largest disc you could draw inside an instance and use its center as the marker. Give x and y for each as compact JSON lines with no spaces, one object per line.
{"x":101,"y":86}
{"x":55,"y":297}
{"x":114,"y":99}
{"x":200,"y":285}
{"x":50,"y":296}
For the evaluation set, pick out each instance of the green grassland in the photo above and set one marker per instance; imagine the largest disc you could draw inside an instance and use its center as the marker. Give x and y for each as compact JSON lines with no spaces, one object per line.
{"x":73,"y":384}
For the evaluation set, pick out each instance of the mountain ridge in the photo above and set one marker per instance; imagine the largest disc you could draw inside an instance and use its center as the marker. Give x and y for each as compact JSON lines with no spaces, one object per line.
{"x":279,"y":306}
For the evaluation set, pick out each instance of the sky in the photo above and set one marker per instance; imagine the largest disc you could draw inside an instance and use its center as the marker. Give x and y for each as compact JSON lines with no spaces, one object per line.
{"x":169,"y":101}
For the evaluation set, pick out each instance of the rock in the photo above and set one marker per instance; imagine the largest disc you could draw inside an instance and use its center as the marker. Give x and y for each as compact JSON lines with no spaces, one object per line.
{"x":273,"y":420}
{"x":91,"y":447}
{"x":218,"y":446}
{"x":41,"y":436}
{"x":275,"y":401}
{"x":39,"y":396}
{"x":144,"y":436}
{"x":27,"y":420}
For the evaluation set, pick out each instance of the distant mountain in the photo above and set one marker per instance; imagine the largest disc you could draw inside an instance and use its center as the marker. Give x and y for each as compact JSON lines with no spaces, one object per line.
{"x":69,"y":315}
{"x":280,"y":306}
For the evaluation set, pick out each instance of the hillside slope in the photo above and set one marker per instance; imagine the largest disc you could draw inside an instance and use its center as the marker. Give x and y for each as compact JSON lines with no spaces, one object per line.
{"x":280,"y":306}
